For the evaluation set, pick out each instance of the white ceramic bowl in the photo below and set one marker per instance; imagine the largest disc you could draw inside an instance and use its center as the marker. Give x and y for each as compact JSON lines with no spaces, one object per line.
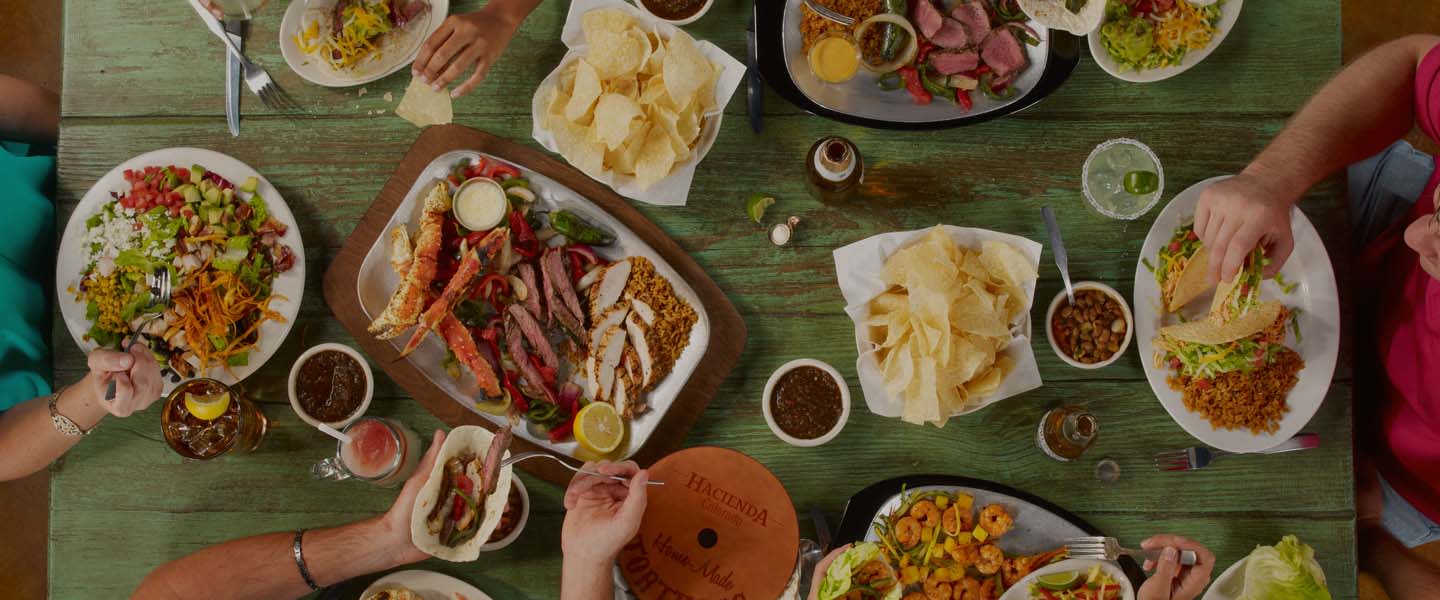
{"x":364,"y":366}
{"x":1229,"y":14}
{"x":520,"y":526}
{"x":1124,"y":309}
{"x":844,"y":402}
{"x":686,"y":21}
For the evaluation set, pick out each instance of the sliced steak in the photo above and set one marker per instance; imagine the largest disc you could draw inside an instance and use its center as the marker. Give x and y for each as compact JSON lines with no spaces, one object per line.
{"x":535,"y":336}
{"x":556,"y":283}
{"x":927,"y":18}
{"x":405,"y":11}
{"x":491,"y":473}
{"x":952,"y":35}
{"x":532,"y":291}
{"x":950,"y":63}
{"x":522,"y":360}
{"x":1003,"y":53}
{"x":974,"y":19}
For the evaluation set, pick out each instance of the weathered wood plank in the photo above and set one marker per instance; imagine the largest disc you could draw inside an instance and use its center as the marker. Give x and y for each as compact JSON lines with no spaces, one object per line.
{"x":168,"y":64}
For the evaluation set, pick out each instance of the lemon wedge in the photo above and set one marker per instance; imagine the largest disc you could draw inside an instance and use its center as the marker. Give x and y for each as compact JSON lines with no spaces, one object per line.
{"x":207,"y":407}
{"x":599,"y":428}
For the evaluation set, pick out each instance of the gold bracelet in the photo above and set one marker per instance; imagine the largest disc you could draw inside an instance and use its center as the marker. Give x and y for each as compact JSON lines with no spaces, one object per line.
{"x":63,"y":424}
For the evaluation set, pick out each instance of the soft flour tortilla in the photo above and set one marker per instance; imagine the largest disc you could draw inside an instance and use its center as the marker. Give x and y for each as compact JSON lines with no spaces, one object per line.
{"x":1054,"y":15}
{"x":465,"y":438}
{"x":1211,"y":331}
{"x":1194,"y":281}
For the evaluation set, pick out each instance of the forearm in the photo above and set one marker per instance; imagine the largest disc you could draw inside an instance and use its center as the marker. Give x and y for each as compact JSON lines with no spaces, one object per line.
{"x":29,"y":113}
{"x":1400,"y":571}
{"x":514,"y":11}
{"x":264,"y":566}
{"x":28,"y":439}
{"x":587,"y":581}
{"x":1365,"y":108}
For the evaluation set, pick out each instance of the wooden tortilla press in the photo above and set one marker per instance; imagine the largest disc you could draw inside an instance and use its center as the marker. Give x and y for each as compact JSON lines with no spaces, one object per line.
{"x":722,"y":526}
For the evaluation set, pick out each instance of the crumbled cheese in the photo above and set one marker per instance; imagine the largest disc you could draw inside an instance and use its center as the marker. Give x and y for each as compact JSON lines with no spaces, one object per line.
{"x":389,"y":97}
{"x":114,"y":234}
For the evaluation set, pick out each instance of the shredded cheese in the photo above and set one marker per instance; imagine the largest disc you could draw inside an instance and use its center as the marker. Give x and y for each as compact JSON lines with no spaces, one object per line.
{"x":1183,"y":26}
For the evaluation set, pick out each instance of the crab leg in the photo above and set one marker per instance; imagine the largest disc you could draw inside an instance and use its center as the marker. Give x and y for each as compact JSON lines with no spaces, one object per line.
{"x":470,"y":267}
{"x":463,"y":345}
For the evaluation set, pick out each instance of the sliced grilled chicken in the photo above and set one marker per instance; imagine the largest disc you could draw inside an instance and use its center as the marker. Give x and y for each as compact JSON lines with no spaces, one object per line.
{"x":637,"y":331}
{"x":647,"y":314}
{"x":612,"y":284}
{"x":612,"y":348}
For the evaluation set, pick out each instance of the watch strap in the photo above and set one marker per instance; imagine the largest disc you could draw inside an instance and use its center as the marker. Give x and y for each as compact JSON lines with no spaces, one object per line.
{"x":63,"y":424}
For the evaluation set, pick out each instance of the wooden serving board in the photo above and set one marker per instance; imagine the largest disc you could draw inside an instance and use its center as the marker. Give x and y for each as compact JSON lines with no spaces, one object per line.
{"x":720,"y":355}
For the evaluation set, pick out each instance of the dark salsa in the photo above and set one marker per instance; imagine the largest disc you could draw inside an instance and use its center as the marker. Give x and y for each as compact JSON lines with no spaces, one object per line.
{"x":1092,"y":330}
{"x":330,"y":386}
{"x":806,"y":402}
{"x":674,"y":10}
{"x":510,"y":518}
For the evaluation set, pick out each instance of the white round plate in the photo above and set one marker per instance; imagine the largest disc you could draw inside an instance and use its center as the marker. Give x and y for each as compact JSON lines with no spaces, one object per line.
{"x":1229,"y":584}
{"x":396,"y":55}
{"x":1314,"y":295}
{"x":1021,"y":589}
{"x":1229,"y":14}
{"x":428,"y":584}
{"x":288,"y":286}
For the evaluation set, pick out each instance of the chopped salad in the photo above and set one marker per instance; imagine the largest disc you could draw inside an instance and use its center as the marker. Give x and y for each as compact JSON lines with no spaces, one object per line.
{"x":221,"y":248}
{"x":1153,"y":34}
{"x":1096,"y":584}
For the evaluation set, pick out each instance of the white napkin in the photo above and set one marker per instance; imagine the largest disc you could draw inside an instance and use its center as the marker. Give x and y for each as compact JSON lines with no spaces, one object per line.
{"x":858,"y":268}
{"x":673,"y":190}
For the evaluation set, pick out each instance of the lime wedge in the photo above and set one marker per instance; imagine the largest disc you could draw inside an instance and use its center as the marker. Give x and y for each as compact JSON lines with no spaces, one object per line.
{"x":207,"y":407}
{"x":756,"y":205}
{"x":1141,"y":183}
{"x":1058,"y":581}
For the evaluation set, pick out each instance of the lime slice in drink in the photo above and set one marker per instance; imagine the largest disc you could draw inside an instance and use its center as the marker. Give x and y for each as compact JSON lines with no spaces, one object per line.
{"x":1058,"y":581}
{"x":1141,"y":183}
{"x":207,"y":407}
{"x":756,"y":205}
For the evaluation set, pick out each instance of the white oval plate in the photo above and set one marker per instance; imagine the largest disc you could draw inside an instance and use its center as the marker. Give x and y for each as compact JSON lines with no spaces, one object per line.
{"x":1314,"y":295}
{"x":428,"y":584}
{"x":395,"y":55}
{"x":1021,"y":589}
{"x":288,"y":286}
{"x":1229,"y":584}
{"x":1229,"y":14}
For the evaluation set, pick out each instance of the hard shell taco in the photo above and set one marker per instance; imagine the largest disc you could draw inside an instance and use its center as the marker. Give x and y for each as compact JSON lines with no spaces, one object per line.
{"x":1210,"y":347}
{"x":461,"y":503}
{"x":1182,"y":269}
{"x":1241,"y":294}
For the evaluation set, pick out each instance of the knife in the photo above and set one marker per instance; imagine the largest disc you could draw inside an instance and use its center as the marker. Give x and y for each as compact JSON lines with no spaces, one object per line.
{"x":235,"y":30}
{"x":754,"y":86}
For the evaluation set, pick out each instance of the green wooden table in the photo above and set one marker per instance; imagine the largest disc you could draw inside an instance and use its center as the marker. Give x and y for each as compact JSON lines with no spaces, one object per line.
{"x":139,"y":77}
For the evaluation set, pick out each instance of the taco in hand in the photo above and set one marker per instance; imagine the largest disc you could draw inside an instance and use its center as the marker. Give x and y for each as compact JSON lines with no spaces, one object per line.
{"x":1182,"y":269}
{"x":860,"y":572}
{"x":460,"y":505}
{"x":1241,"y":294}
{"x":1211,"y":347}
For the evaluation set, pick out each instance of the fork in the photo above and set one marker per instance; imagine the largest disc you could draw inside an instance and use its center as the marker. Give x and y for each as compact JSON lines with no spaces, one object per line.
{"x":1109,"y":548}
{"x":1199,"y":457}
{"x":256,"y":78}
{"x":529,"y":455}
{"x":160,"y":289}
{"x":829,"y":14}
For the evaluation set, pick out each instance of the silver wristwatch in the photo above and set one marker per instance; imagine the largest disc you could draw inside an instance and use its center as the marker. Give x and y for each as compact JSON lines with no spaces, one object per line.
{"x":62,"y":423}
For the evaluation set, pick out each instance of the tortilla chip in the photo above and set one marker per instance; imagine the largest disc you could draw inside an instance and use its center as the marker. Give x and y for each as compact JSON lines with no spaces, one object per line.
{"x":423,"y":106}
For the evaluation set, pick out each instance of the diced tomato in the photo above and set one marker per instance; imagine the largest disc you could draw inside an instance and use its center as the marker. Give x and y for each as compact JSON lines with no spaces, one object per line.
{"x":1049,"y":595}
{"x":1203,"y":384}
{"x":174,"y":211}
{"x":1191,"y":235}
{"x":1174,"y":363}
{"x":1174,"y":246}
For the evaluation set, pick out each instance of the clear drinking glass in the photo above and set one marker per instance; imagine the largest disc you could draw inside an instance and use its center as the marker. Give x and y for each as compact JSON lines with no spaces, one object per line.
{"x":240,"y":428}
{"x":380,"y":451}
{"x":1103,"y":178}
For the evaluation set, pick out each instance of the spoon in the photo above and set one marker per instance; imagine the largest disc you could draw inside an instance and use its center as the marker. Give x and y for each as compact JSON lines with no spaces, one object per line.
{"x":1057,"y":246}
{"x":829,"y":14}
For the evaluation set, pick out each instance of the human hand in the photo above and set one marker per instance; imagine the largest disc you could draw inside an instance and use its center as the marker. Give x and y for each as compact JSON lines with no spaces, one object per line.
{"x":821,"y":567}
{"x":136,"y":376}
{"x":1172,"y":581}
{"x":601,"y":514}
{"x":395,"y":524}
{"x":472,"y":40}
{"x":1236,"y":214}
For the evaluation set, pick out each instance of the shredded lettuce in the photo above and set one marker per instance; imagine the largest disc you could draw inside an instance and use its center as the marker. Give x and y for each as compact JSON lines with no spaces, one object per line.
{"x":838,"y":577}
{"x":1285,"y":571}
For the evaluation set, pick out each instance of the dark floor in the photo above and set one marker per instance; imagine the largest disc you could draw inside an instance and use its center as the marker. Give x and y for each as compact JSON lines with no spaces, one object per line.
{"x":30,"y":49}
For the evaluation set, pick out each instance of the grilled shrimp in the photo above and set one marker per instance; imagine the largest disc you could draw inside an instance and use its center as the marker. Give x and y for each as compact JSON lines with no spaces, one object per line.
{"x":954,"y":520}
{"x":996,"y":520}
{"x":965,"y":556}
{"x":991,"y":559}
{"x":926,"y":512}
{"x":871,"y":571}
{"x":936,"y":590}
{"x":907,"y":531}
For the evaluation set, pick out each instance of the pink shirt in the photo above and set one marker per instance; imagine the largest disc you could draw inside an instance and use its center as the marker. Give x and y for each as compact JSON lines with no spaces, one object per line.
{"x":1408,"y":333}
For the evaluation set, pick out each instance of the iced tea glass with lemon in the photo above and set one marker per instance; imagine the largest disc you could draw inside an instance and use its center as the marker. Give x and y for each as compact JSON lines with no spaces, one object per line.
{"x":204,"y":418}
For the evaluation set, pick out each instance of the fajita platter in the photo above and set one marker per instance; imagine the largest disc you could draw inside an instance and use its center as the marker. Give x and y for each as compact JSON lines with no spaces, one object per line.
{"x":860,"y":101}
{"x":376,"y":281}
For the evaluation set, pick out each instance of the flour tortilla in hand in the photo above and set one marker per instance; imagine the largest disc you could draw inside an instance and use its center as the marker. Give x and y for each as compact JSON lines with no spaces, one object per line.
{"x":466,"y":439}
{"x":424,"y":106}
{"x":1054,"y":15}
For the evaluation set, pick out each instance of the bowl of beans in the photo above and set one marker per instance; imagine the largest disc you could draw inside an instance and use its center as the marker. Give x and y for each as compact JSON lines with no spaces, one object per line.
{"x":1093,"y":332}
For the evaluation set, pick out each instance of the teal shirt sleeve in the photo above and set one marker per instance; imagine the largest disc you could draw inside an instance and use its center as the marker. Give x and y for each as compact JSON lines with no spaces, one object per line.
{"x":27,"y":265}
